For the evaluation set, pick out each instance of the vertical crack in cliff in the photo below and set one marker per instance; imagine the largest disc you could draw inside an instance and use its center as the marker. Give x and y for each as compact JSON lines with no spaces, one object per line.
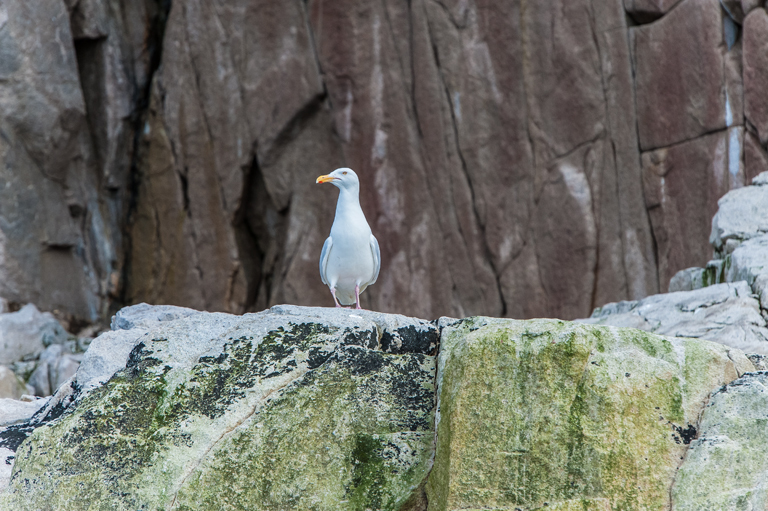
{"x":414,"y":104}
{"x":140,"y":112}
{"x":251,"y":255}
{"x":597,"y":205}
{"x":633,"y":77}
{"x":457,"y":140}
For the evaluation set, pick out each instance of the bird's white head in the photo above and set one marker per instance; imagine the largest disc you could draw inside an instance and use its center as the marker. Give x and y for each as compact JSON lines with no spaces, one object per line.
{"x":343,"y":179}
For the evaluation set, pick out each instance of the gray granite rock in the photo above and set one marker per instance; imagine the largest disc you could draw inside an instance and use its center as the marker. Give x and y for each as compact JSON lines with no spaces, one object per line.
{"x":726,"y":466}
{"x":11,"y":386}
{"x":760,"y":179}
{"x":12,"y":412}
{"x":144,"y":315}
{"x":55,"y":366}
{"x":110,"y":352}
{"x":749,"y":262}
{"x":742,"y":214}
{"x":726,"y":313}
{"x":688,"y":280}
{"x":27,"y":332}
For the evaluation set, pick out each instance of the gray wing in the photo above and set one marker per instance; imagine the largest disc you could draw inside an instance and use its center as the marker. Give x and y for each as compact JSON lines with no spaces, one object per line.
{"x":324,"y":258}
{"x":376,"y":258}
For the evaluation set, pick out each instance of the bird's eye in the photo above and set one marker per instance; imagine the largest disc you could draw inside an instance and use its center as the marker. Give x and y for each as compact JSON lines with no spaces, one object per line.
{"x":345,"y":173}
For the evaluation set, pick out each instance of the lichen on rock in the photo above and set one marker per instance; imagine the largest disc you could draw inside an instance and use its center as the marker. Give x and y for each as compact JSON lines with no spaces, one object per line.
{"x":274,"y":410}
{"x":549,"y":413}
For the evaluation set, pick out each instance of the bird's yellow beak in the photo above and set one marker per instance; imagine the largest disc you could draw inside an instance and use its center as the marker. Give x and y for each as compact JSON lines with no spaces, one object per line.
{"x":325,"y":179}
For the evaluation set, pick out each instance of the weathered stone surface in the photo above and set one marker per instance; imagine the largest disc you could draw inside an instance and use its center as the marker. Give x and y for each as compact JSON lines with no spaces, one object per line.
{"x":726,"y":465}
{"x":27,"y":332}
{"x":145,"y":316}
{"x":11,"y":387}
{"x":13,"y":411}
{"x":689,"y":279}
{"x":755,"y":157}
{"x":649,"y":9}
{"x":682,"y":186}
{"x":748,"y":5}
{"x":725,"y":313}
{"x":685,"y":44}
{"x":292,"y":407}
{"x":547,"y":414}
{"x":742,"y":214}
{"x":55,"y":366}
{"x":756,"y":71}
{"x":734,"y":9}
{"x":67,"y":107}
{"x":749,"y":262}
{"x":220,"y":98}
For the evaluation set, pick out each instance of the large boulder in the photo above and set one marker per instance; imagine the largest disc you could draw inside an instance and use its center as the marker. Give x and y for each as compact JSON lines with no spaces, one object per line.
{"x":289,"y":408}
{"x":545,"y":414}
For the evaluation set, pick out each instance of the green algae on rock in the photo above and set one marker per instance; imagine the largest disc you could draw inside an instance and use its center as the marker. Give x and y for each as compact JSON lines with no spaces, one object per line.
{"x":271,"y":411}
{"x":556,"y":415}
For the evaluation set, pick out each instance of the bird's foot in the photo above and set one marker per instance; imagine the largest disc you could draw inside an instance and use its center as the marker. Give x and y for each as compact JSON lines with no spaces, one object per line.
{"x":335,"y":300}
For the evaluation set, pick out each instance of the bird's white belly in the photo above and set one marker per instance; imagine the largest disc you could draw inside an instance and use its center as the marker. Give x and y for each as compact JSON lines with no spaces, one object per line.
{"x":349,"y":265}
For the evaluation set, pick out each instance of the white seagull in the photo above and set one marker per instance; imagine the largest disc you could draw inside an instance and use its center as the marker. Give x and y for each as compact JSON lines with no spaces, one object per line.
{"x":351,"y":260}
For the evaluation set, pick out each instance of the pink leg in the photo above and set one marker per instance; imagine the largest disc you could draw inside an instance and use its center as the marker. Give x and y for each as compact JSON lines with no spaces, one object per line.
{"x":333,"y":292}
{"x":357,"y":297}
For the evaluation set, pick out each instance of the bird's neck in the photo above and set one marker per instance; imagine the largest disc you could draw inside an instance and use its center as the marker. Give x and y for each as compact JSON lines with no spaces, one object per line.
{"x":348,"y":205}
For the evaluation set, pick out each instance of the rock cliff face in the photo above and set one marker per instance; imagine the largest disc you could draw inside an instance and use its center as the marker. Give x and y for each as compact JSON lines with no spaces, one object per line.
{"x":517,"y":158}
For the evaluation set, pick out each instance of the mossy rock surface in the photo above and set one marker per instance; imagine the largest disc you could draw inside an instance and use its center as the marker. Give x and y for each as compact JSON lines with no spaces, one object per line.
{"x":546,"y":414}
{"x":301,"y":408}
{"x":276,"y":411}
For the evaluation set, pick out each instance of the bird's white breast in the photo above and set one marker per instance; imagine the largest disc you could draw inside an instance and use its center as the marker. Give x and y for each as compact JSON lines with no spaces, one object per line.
{"x":350,"y":261}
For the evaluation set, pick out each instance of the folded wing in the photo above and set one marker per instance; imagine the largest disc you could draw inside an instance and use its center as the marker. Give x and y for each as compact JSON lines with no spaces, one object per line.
{"x":376,"y":259}
{"x":324,"y":259}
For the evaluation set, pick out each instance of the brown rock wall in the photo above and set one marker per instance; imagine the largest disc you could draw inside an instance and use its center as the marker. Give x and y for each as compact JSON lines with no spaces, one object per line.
{"x":682,"y":185}
{"x":498,"y":144}
{"x":680,"y":74}
{"x":756,"y":71}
